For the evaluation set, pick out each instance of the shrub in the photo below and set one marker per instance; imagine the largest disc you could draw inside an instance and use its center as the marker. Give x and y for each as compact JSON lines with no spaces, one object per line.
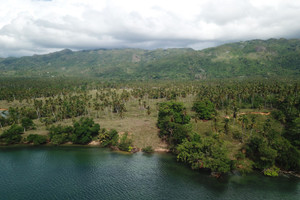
{"x":125,"y":142}
{"x":173,"y":122}
{"x":12,"y":135}
{"x":258,"y":150}
{"x":278,"y":115}
{"x":207,"y":153}
{"x":27,"y":123}
{"x":204,"y":109}
{"x":240,"y":155}
{"x":60,"y":134}
{"x":60,"y":139}
{"x":84,"y":131}
{"x":130,"y":148}
{"x":148,"y":149}
{"x":109,"y":138}
{"x":37,"y":139}
{"x":237,"y":135}
{"x":272,"y":171}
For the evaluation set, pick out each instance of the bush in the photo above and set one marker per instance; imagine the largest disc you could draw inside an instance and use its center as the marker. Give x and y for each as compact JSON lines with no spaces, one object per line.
{"x":292,"y":132}
{"x":84,"y":131}
{"x":60,"y":139}
{"x":288,"y":156}
{"x":258,"y":150}
{"x":244,"y":166}
{"x":60,"y":134}
{"x":204,"y":109}
{"x":240,"y":156}
{"x":272,"y":171}
{"x":237,"y":135}
{"x":37,"y":139}
{"x":12,"y":135}
{"x":27,"y":123}
{"x":125,"y":142}
{"x":278,"y":115}
{"x":207,"y":153}
{"x":173,"y":122}
{"x":148,"y":149}
{"x":109,"y":138}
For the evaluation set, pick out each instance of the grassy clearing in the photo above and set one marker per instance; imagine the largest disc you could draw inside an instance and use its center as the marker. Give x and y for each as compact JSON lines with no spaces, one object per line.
{"x":142,"y":127}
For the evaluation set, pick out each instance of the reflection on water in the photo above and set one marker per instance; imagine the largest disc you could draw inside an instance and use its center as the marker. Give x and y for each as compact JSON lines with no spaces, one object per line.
{"x":93,"y":173}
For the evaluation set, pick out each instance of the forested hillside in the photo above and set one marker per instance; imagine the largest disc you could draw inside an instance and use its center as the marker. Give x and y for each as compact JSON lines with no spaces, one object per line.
{"x":255,"y":58}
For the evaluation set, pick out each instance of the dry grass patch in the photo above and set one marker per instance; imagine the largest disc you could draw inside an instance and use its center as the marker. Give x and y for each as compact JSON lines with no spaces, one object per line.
{"x":142,"y":130}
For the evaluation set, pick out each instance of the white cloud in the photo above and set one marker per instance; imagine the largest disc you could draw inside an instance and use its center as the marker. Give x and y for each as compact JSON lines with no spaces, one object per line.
{"x":39,"y":26}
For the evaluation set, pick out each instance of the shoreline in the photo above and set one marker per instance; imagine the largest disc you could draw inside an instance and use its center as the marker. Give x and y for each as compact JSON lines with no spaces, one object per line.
{"x":289,"y":173}
{"x":94,"y":144}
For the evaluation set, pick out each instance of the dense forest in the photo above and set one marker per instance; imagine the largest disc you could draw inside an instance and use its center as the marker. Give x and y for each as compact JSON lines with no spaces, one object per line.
{"x":256,"y":58}
{"x":221,"y":125}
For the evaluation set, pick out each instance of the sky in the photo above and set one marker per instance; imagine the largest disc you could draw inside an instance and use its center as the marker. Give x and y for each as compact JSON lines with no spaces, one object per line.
{"x":30,"y":27}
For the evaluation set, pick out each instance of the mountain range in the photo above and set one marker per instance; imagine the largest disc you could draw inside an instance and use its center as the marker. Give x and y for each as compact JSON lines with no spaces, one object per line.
{"x":254,"y":58}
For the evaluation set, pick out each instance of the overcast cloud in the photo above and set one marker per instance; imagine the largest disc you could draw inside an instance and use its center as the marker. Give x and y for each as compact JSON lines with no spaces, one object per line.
{"x":40,"y":26}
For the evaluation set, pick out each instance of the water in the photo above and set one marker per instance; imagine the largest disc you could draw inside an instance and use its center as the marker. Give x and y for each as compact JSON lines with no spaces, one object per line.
{"x":94,"y":173}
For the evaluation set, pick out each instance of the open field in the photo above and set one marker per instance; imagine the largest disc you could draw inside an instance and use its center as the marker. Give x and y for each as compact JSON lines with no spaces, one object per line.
{"x":141,"y":126}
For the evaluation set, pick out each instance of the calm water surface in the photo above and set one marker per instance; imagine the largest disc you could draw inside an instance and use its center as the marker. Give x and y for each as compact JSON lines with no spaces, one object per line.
{"x":93,"y":173}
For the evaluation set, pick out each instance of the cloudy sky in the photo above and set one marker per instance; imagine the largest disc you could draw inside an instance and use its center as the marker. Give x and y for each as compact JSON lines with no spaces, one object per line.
{"x":30,"y":27}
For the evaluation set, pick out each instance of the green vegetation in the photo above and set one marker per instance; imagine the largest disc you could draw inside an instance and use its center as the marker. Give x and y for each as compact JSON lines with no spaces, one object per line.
{"x":12,"y":135}
{"x":125,"y":143}
{"x":221,"y":125}
{"x":173,"y":122}
{"x":190,"y":148}
{"x":113,"y":140}
{"x":84,"y":130}
{"x":60,"y":134}
{"x":27,"y":123}
{"x":206,"y":152}
{"x":292,"y":132}
{"x":265,"y":144}
{"x":109,"y":138}
{"x":255,"y":58}
{"x":273,"y":171}
{"x":204,"y":109}
{"x":37,"y":139}
{"x":148,"y":149}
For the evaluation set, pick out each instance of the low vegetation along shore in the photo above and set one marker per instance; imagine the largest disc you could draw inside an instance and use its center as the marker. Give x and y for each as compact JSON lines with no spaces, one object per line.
{"x":221,"y":125}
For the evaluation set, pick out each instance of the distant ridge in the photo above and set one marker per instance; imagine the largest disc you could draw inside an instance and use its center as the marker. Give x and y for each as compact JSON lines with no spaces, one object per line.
{"x":254,"y":58}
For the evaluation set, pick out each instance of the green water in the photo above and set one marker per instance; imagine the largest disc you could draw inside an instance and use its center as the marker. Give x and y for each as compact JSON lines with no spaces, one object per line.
{"x":93,"y":173}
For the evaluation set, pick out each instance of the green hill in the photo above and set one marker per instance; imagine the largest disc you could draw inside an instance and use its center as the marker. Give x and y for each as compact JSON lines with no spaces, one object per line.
{"x":255,"y":58}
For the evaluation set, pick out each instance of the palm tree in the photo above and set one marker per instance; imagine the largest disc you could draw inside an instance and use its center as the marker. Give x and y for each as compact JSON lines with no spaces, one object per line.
{"x":244,"y":120}
{"x":226,"y":125}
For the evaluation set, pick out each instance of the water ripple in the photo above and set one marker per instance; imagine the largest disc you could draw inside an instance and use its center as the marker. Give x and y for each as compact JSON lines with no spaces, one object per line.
{"x":92,"y":173}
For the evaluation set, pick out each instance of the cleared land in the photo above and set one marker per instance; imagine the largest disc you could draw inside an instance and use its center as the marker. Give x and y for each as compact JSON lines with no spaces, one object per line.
{"x":141,"y":126}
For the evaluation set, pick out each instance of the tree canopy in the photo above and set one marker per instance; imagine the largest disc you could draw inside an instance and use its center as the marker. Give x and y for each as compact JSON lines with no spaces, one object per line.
{"x":204,"y":109}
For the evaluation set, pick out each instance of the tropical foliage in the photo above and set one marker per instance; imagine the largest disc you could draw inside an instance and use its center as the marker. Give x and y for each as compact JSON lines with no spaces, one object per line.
{"x":252,"y":122}
{"x":12,"y":135}
{"x":255,"y":58}
{"x":37,"y":139}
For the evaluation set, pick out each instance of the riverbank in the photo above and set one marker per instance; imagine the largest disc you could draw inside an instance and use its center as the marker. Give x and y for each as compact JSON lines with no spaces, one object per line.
{"x":96,"y":144}
{"x":290,"y":173}
{"x":92,"y":144}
